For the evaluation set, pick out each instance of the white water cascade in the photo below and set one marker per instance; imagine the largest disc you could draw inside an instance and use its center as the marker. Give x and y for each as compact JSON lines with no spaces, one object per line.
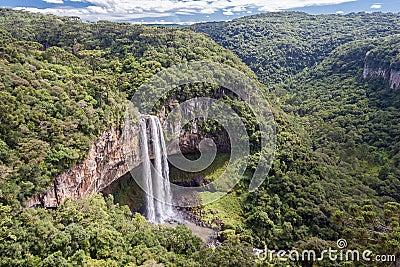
{"x":156,"y":176}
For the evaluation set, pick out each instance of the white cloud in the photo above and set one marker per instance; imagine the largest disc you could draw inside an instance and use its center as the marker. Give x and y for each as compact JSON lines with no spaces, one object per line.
{"x":184,"y":13}
{"x":376,"y":6}
{"x":238,"y":9}
{"x":207,"y":11}
{"x":85,"y":14}
{"x":125,"y":10}
{"x":54,"y":1}
{"x":287,"y":4}
{"x":228,"y":13}
{"x":339,"y":12}
{"x":97,"y":9}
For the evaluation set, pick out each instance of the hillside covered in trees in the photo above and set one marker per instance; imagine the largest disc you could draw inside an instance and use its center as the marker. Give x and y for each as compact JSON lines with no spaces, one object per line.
{"x":336,"y":77}
{"x":63,"y":87}
{"x":336,"y":171}
{"x":63,"y":82}
{"x":278,"y":45}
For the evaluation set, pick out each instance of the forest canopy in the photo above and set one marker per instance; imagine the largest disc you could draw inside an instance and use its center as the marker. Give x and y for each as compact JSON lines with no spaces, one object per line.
{"x":336,"y":171}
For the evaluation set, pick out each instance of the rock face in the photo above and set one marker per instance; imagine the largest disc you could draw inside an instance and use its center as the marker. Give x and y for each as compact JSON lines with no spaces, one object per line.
{"x":394,"y":79}
{"x":391,"y":76}
{"x":189,"y":142}
{"x":114,"y":154}
{"x":191,"y":136}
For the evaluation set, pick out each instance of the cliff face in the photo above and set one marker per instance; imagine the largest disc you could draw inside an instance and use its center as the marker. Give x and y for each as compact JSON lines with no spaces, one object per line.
{"x":394,"y":79}
{"x":114,"y":154}
{"x":191,"y":136}
{"x":390,"y":75}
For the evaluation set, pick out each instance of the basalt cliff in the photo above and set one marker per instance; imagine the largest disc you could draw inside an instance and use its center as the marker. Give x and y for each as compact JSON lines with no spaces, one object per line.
{"x":111,"y":156}
{"x":391,"y":76}
{"x":114,"y":155}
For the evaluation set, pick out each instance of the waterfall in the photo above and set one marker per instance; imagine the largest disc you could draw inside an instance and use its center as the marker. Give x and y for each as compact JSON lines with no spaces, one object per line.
{"x":156,"y":178}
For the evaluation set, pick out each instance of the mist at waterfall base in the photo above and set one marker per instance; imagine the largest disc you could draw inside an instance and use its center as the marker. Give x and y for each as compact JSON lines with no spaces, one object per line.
{"x":155,"y":176}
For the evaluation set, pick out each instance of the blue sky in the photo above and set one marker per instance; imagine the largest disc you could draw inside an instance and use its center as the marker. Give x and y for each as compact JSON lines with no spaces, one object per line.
{"x":190,"y":11}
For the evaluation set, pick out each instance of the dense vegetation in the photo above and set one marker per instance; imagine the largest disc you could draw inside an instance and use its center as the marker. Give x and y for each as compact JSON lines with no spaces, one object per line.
{"x":52,"y":107}
{"x":336,"y":172}
{"x":96,"y":232}
{"x":278,"y":45}
{"x":63,"y":82}
{"x":354,"y":124}
{"x":341,"y":178}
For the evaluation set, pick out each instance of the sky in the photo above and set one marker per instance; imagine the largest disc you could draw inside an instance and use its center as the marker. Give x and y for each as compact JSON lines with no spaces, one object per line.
{"x":192,"y":11}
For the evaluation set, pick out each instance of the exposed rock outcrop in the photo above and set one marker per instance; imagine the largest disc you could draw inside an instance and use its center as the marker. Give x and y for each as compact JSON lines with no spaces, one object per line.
{"x":189,"y":142}
{"x":394,"y":79}
{"x":390,"y":75}
{"x":115,"y":153}
{"x":190,"y":137}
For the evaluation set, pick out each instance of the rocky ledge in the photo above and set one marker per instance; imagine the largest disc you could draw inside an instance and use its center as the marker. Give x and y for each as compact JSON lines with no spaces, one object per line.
{"x":392,"y":76}
{"x":115,"y":153}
